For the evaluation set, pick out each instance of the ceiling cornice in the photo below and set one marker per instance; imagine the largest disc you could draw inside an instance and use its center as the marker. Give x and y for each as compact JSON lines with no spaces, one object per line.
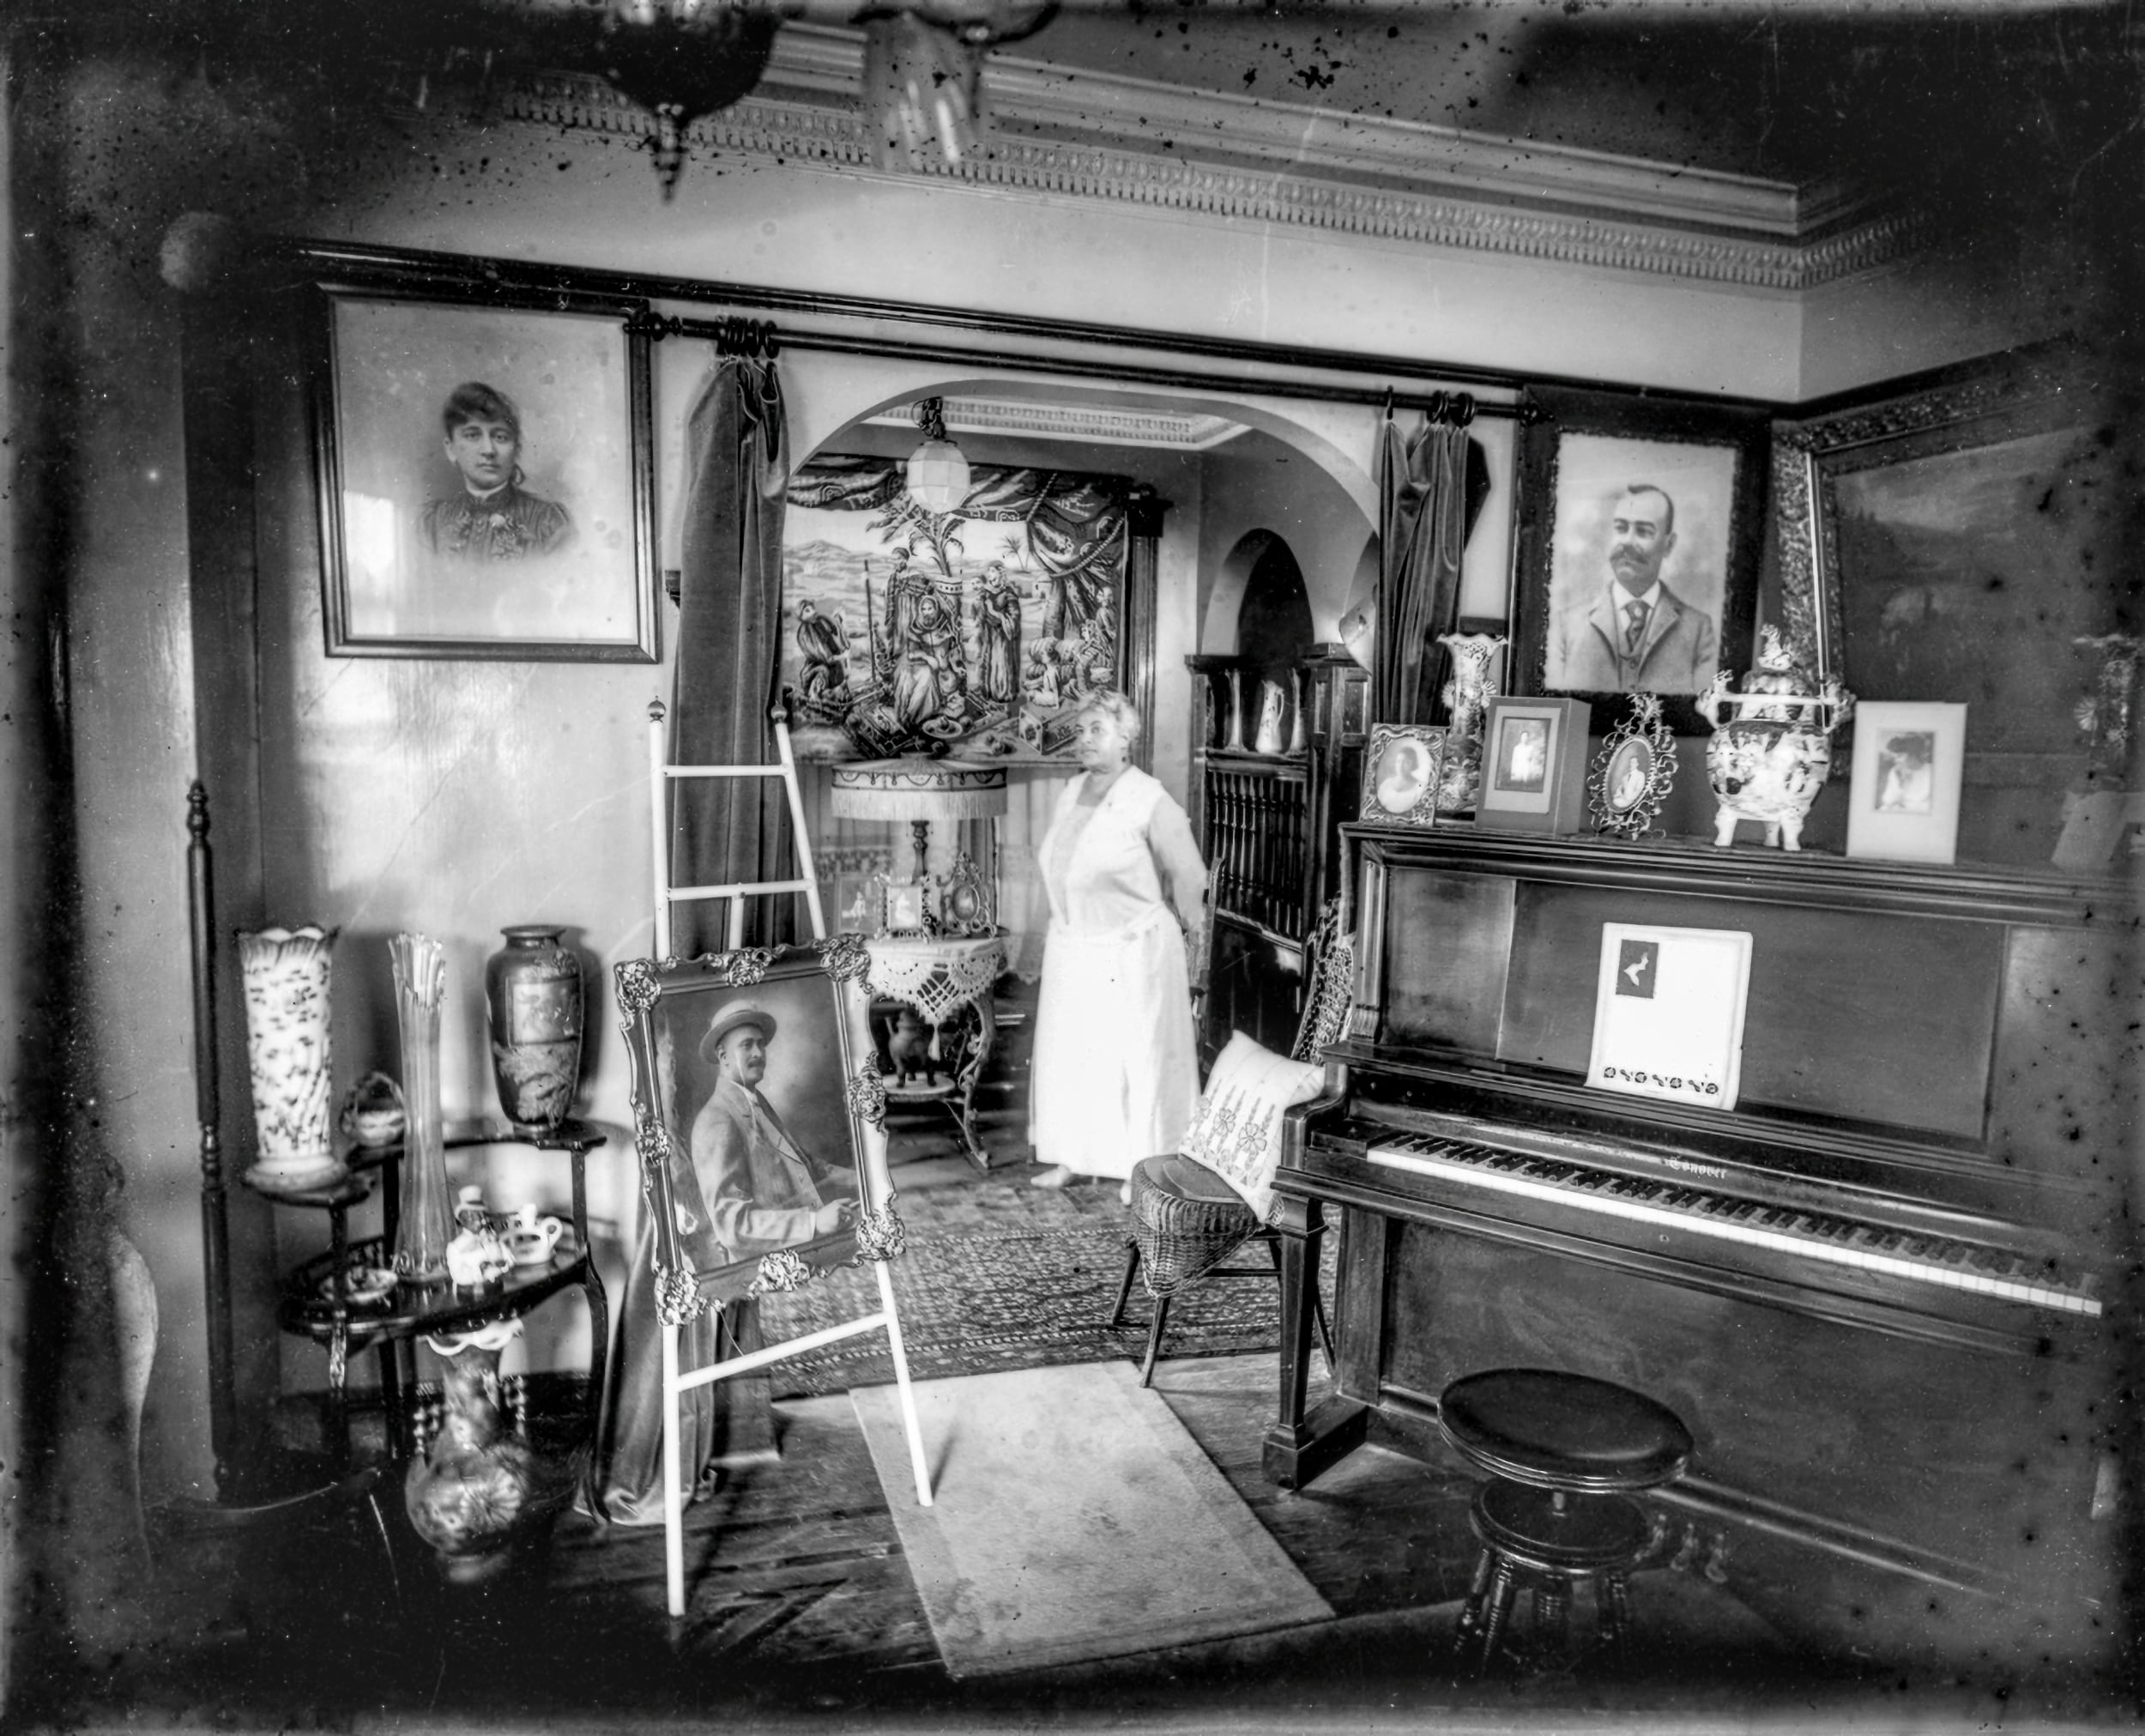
{"x":1099,"y":135}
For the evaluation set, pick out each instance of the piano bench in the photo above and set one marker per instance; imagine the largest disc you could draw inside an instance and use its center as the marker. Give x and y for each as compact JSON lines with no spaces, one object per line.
{"x":1564,"y":1453}
{"x":1186,"y":1221}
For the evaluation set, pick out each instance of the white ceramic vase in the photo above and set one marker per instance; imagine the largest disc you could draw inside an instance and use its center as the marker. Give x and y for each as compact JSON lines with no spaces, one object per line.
{"x":285,"y":972}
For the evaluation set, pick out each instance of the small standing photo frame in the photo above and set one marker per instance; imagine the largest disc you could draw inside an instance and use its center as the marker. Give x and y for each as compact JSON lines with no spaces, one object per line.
{"x":1402,"y":770}
{"x":1634,"y":772}
{"x":1534,"y":765}
{"x":904,"y":907}
{"x":1668,"y":1012}
{"x":1909,"y":761}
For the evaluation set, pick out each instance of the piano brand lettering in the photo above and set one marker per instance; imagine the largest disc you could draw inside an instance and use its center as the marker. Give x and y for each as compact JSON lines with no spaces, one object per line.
{"x":1696,"y":1168}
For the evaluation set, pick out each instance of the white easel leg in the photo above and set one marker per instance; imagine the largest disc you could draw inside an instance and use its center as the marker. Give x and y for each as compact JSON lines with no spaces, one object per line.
{"x":673,"y":1502}
{"x":901,"y":1385}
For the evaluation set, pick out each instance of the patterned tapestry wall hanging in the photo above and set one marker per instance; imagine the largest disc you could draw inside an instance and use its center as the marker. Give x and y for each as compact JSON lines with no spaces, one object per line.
{"x":978,"y":632}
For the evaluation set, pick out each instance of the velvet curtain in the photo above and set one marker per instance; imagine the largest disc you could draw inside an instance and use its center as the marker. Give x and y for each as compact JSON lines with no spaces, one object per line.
{"x":1423,"y":518}
{"x":727,"y":677}
{"x":725,"y":684}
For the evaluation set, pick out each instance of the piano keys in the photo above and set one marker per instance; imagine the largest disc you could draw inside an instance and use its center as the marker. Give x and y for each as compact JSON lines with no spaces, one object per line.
{"x":1885,"y":1291}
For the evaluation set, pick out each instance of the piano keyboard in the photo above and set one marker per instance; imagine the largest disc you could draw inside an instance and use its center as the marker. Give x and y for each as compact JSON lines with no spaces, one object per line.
{"x":1693,"y":1211}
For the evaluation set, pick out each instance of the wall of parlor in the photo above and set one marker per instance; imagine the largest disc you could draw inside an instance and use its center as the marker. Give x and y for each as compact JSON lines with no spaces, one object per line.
{"x":455,"y":797}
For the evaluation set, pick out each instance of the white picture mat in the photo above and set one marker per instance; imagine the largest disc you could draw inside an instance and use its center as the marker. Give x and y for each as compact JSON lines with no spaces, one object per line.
{"x":1928,"y":829}
{"x":1683,"y":1040}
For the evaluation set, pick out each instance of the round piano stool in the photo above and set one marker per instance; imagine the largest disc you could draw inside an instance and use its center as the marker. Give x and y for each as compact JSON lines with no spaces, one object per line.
{"x":1565,"y":1454}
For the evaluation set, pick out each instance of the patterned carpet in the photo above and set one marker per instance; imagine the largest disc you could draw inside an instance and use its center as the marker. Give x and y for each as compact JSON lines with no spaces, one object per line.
{"x":1000,"y":1275}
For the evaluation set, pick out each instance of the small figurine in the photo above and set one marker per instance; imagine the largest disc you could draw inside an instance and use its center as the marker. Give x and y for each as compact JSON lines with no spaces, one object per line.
{"x":478,"y":1254}
{"x":1771,"y":750}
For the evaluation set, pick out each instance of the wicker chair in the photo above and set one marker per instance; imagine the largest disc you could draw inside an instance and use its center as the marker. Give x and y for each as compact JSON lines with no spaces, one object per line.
{"x":1186,"y":1219}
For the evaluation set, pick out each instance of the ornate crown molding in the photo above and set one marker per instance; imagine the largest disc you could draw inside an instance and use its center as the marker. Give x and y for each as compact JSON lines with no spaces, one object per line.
{"x":1096,"y":136}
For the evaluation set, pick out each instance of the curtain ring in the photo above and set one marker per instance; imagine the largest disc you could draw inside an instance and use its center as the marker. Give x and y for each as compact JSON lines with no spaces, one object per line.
{"x":1462,"y":408}
{"x":1436,"y":412}
{"x":1388,"y":404}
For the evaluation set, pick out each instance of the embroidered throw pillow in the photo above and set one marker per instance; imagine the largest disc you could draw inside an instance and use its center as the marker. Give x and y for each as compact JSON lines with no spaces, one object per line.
{"x":1236,"y":1130}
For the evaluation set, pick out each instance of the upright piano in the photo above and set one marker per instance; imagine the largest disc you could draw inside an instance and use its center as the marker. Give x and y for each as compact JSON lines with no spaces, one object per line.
{"x":1886,"y":1291}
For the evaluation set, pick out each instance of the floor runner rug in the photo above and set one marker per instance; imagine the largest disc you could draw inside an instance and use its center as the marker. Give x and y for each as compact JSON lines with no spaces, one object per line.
{"x":1072,"y":1518}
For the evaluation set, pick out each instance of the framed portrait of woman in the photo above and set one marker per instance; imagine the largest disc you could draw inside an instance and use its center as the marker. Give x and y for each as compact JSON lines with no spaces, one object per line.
{"x":483,"y":466}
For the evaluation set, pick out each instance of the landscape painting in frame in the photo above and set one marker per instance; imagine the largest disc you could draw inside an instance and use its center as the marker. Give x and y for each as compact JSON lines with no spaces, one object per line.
{"x":484,"y":480}
{"x":743,"y":1067}
{"x":978,"y":633}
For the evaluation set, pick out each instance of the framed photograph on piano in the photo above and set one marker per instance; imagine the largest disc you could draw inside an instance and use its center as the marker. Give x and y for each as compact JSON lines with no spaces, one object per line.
{"x":1534,"y":765}
{"x":1403,"y":768}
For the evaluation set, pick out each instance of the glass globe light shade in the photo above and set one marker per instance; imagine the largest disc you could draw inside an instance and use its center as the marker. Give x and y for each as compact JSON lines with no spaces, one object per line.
{"x":937,"y":476}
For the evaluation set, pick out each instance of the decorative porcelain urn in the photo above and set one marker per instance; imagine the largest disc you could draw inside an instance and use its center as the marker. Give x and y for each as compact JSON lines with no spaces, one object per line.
{"x":1771,"y":750}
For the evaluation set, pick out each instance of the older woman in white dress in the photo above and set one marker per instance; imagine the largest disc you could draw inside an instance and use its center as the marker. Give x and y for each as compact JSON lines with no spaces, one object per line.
{"x":1115,"y":1073}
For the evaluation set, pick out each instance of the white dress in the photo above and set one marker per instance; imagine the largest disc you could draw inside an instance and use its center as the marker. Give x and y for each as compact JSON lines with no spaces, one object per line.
{"x":1115,"y":1072}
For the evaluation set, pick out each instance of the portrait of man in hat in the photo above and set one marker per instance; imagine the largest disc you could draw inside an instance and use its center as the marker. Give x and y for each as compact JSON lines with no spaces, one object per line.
{"x":759,"y":1189}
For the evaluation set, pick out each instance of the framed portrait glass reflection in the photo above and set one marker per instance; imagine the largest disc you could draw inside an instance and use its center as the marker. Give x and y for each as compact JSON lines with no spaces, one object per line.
{"x":483,"y":469}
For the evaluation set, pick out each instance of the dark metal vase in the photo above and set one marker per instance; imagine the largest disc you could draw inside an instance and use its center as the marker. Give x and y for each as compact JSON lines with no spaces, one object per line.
{"x":532,"y":996}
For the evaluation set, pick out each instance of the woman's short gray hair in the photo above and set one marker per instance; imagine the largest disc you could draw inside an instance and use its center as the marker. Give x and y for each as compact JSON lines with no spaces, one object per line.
{"x":1116,"y":707}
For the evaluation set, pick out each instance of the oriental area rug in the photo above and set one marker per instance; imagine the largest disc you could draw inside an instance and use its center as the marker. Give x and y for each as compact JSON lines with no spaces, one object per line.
{"x":1072,"y":1517}
{"x":999,"y":1275}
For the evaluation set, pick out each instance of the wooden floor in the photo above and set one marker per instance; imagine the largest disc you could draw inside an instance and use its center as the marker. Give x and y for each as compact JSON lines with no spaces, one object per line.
{"x":802,"y":1615}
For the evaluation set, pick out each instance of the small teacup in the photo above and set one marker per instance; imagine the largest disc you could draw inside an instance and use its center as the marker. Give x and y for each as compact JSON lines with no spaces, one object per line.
{"x":531,"y":1239}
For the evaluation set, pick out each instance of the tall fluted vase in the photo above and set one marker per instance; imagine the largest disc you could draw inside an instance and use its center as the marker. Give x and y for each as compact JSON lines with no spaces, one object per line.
{"x":425,"y":1223}
{"x":285,"y":973}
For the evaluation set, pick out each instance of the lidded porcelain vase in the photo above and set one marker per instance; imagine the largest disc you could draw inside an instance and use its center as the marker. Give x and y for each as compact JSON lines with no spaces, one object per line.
{"x":285,"y":972}
{"x":532,"y":1001}
{"x":1771,"y":749}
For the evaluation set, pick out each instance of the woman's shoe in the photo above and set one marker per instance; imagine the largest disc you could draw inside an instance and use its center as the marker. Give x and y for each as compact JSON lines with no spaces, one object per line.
{"x":1057,"y":1176}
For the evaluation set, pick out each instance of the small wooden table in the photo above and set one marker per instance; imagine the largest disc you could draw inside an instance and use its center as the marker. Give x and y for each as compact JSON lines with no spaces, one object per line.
{"x":318,"y":1303}
{"x":938,"y":978}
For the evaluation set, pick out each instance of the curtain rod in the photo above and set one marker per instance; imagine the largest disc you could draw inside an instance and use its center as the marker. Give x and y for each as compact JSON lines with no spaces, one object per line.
{"x":737,"y":336}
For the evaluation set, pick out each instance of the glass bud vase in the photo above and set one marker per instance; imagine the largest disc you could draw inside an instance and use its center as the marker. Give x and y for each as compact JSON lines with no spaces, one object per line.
{"x":425,"y":1220}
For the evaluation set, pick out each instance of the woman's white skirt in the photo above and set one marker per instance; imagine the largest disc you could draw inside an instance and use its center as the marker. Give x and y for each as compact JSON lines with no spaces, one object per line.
{"x":1114,"y":1076}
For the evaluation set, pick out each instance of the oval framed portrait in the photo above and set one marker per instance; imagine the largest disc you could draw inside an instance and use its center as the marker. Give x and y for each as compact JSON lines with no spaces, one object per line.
{"x":1632,"y":773}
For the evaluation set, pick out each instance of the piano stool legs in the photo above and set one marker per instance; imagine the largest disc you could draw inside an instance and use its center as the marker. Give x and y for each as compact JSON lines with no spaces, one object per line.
{"x":1550,"y":1541}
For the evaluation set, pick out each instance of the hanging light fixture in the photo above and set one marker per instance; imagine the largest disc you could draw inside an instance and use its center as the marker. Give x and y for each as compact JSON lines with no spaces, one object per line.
{"x":923,"y":75}
{"x":938,"y":474}
{"x":680,"y":60}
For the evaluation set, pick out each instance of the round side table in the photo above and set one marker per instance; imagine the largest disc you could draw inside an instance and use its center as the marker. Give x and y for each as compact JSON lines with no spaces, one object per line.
{"x":937,"y":978}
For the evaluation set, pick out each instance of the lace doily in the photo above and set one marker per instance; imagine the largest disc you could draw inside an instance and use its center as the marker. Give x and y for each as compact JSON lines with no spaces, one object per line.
{"x":936,"y":978}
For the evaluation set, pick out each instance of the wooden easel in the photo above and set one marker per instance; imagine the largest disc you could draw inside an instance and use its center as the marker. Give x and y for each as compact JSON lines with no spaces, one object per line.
{"x":662,"y":776}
